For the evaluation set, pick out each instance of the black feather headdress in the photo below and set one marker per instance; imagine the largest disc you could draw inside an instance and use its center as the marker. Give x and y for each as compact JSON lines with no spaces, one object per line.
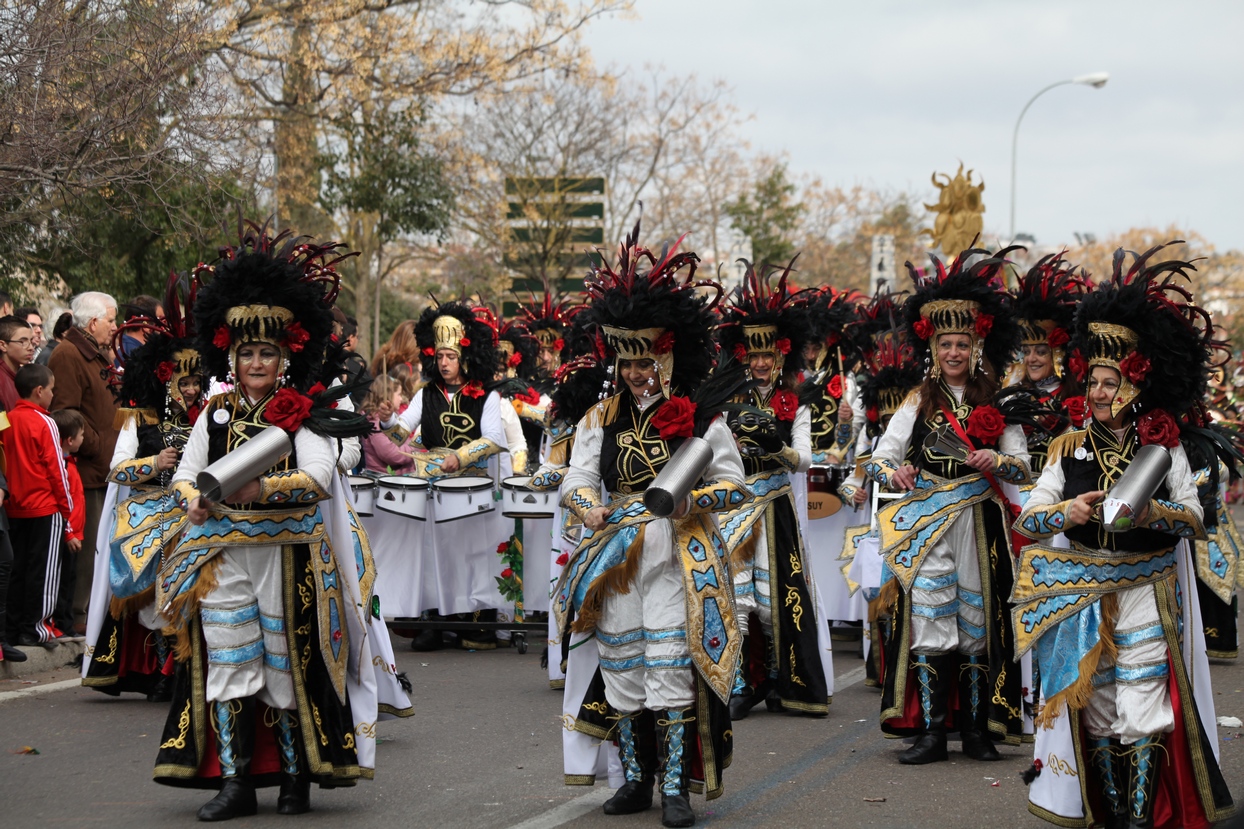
{"x":456,"y":327}
{"x":1045,"y":305}
{"x":153,"y":371}
{"x":768,"y":319}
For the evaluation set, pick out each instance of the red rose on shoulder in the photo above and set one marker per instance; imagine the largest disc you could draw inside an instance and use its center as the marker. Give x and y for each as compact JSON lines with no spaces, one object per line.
{"x":1077,"y":364}
{"x":785,"y":404}
{"x":296,"y":337}
{"x":675,"y":418}
{"x":1158,"y":427}
{"x":287,"y":409}
{"x":984,"y":324}
{"x":473,"y":389}
{"x":834,"y":387}
{"x":740,"y":352}
{"x":872,"y":414}
{"x":531,"y":396}
{"x":783,"y":345}
{"x":923,"y":328}
{"x":1135,"y":367}
{"x":164,"y":371}
{"x":664,"y":343}
{"x":193,"y":413}
{"x":1058,"y":337}
{"x":515,"y":360}
{"x":222,"y":339}
{"x":1077,"y":410}
{"x":986,"y":424}
{"x":317,"y":389}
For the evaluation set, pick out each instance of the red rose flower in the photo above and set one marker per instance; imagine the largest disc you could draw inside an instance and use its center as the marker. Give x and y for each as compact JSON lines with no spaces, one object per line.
{"x":872,"y":414}
{"x":559,"y":344}
{"x":1077,"y":410}
{"x":1135,"y":367}
{"x":164,"y":371}
{"x":193,"y":413}
{"x":782,"y":345}
{"x":834,"y":387}
{"x":986,"y":424}
{"x":515,"y":360}
{"x":464,"y":342}
{"x":675,"y":418}
{"x":562,"y":559}
{"x":473,"y":389}
{"x":531,"y":396}
{"x":831,"y":340}
{"x":785,"y":404}
{"x":984,"y":324}
{"x":502,"y":547}
{"x":1057,"y":338}
{"x":740,"y":352}
{"x":506,"y":573}
{"x":317,"y":389}
{"x":296,"y":337}
{"x":287,"y":409}
{"x":923,"y":328}
{"x":222,"y":339}
{"x":1158,"y":427}
{"x":429,"y":351}
{"x":1077,"y":364}
{"x":664,"y":343}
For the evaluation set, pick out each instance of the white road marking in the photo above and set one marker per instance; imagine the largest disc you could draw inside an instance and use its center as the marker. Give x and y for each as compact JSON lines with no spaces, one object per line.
{"x":5,"y":696}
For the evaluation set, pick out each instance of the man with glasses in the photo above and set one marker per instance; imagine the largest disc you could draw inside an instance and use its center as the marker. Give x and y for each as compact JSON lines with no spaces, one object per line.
{"x":17,"y":348}
{"x":32,"y":316}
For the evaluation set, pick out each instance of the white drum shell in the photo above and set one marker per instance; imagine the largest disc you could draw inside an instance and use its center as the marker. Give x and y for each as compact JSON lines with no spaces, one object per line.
{"x":519,"y":501}
{"x":364,"y":490}
{"x":403,"y":495}
{"x":458,"y":498}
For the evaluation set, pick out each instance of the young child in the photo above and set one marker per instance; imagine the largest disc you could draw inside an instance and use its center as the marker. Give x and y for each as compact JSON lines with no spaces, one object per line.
{"x":380,"y":454}
{"x":72,"y":429}
{"x":38,"y":508}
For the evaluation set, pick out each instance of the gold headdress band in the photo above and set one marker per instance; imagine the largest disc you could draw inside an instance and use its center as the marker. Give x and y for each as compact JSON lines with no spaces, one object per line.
{"x":448,"y":332}
{"x":762,"y":339}
{"x":629,"y":344}
{"x":506,"y":349}
{"x":954,"y":316}
{"x":1109,"y":345}
{"x":258,"y":324}
{"x":186,"y":363}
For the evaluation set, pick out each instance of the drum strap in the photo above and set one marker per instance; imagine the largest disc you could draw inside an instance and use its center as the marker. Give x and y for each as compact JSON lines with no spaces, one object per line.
{"x":1011,"y":508}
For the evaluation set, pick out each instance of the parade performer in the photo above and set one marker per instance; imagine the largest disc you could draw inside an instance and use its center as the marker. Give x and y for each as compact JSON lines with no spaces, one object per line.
{"x":517,"y":353}
{"x":159,"y":399}
{"x":1045,"y":304}
{"x":786,"y":654}
{"x":461,"y":428}
{"x":548,"y":322}
{"x":1217,"y":556}
{"x":270,"y":592}
{"x":1110,"y":613}
{"x":947,"y":542}
{"x":656,"y":591}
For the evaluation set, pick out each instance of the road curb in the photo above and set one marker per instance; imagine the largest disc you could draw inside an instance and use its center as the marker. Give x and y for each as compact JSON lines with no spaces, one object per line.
{"x":40,"y":659}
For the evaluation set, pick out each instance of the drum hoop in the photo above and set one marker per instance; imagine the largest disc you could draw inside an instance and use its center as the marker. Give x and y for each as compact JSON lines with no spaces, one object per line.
{"x":403,"y":482}
{"x":517,"y":483}
{"x":461,"y":485}
{"x":362,"y":482}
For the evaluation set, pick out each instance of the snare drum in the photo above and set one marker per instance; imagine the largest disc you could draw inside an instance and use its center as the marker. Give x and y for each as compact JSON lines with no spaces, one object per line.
{"x":462,"y":497}
{"x":518,"y":500}
{"x":364,"y":490}
{"x":403,"y":495}
{"x":823,"y":483}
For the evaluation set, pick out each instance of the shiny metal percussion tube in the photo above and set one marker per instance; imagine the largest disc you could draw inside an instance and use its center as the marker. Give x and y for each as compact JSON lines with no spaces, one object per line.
{"x":675,"y":482}
{"x":244,"y":464}
{"x":1131,"y":493}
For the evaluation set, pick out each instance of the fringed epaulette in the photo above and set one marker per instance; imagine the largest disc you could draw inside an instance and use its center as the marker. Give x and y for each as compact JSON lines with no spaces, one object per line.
{"x":1065,"y":444}
{"x":141,"y":417}
{"x":913,"y":397}
{"x":603,"y":413}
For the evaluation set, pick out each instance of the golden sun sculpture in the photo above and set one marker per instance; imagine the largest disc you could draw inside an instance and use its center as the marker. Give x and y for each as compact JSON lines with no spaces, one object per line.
{"x":959,"y":208}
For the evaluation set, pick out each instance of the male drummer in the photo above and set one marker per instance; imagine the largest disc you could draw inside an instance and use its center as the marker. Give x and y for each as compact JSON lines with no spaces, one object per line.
{"x":461,"y":428}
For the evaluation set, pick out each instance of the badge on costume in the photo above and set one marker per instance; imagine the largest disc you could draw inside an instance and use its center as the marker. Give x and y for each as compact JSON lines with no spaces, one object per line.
{"x":220,"y":416}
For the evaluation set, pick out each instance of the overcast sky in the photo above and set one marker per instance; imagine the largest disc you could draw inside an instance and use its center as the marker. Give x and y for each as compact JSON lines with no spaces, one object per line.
{"x":884,"y":93}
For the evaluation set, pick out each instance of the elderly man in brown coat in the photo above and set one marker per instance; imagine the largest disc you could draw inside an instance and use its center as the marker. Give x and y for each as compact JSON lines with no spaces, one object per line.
{"x":81,"y":368}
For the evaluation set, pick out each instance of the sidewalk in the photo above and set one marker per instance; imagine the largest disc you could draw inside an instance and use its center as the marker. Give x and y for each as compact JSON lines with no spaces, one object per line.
{"x":40,"y":659}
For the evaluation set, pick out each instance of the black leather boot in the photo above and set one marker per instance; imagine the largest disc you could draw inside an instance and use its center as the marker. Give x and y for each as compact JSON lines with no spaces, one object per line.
{"x":743,"y":697}
{"x":1142,"y":757}
{"x":1109,"y":779}
{"x":673,"y":738}
{"x":295,"y":794}
{"x":973,"y":696}
{"x":636,"y":747}
{"x":933,"y":679}
{"x":234,"y":724}
{"x":428,"y":640}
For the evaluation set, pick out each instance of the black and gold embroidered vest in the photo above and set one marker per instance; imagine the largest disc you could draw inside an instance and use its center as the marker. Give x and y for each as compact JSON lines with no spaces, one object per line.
{"x":1109,"y":457}
{"x":450,"y":424}
{"x":744,"y":433}
{"x":933,"y":462}
{"x":824,"y":410}
{"x":632,"y":452}
{"x":154,"y":438}
{"x":242,"y":424}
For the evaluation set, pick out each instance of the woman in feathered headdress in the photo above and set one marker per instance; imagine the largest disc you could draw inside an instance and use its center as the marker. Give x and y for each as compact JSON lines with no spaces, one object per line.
{"x":160,"y":395}
{"x":1114,"y":656}
{"x":263,"y":318}
{"x":951,"y":449}
{"x":655,"y":590}
{"x":766,"y":328}
{"x":548,"y":322}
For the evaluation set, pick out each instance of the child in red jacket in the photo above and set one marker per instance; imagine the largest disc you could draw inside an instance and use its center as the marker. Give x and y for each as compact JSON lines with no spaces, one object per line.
{"x":38,"y":507}
{"x":72,"y":428}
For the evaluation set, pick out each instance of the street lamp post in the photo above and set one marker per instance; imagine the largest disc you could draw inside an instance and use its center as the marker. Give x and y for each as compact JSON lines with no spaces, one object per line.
{"x":1094,"y":79}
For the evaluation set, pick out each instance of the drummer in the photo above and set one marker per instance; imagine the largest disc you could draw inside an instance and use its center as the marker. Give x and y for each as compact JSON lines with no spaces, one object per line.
{"x":460,"y":425}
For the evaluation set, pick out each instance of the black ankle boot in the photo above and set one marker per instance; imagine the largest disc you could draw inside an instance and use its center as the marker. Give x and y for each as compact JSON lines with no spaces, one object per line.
{"x":162,"y":691}
{"x":234,"y":722}
{"x":973,"y":693}
{"x":673,"y":737}
{"x":295,"y":794}
{"x":932,"y":675}
{"x":1109,"y":779}
{"x":636,"y":743}
{"x":428,"y":640}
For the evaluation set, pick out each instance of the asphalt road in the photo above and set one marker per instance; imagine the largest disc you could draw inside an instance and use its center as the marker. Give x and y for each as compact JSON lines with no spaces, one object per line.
{"x":484,"y":750}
